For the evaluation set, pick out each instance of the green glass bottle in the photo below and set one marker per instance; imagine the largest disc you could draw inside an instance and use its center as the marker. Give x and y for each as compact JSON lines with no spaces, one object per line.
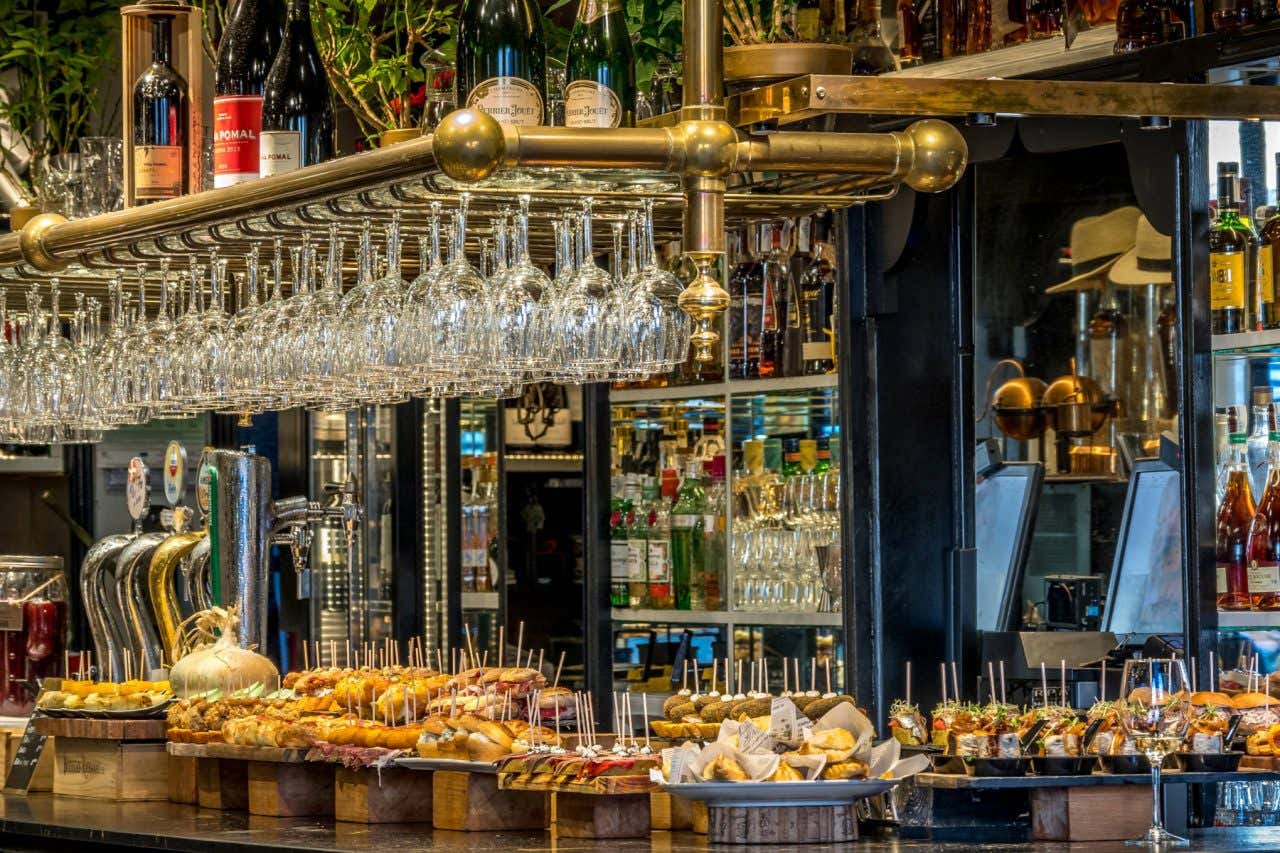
{"x":501,"y":60}
{"x":600,"y":68}
{"x":791,"y":457}
{"x":687,"y":521}
{"x":638,"y":540}
{"x":619,"y":548}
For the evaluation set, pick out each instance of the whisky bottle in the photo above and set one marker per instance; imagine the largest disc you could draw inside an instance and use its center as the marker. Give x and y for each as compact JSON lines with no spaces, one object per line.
{"x":1268,"y":314}
{"x":818,"y":287}
{"x":1229,"y":240}
{"x":745,"y":294}
{"x":775,"y":282}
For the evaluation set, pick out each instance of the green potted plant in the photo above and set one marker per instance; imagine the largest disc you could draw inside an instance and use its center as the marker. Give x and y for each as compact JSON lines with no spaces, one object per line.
{"x":51,"y":73}
{"x":373,"y":52}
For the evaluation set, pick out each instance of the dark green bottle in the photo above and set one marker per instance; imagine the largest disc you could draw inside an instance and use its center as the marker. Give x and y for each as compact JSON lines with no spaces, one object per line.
{"x":601,"y":68}
{"x":501,"y":59}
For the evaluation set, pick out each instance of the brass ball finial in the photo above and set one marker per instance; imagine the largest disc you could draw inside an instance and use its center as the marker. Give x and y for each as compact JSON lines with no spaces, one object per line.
{"x":31,"y":241}
{"x":468,"y":145}
{"x":939,"y":155}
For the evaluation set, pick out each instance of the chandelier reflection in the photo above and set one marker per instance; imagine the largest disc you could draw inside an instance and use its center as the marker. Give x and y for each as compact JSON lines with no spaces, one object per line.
{"x":456,"y":329}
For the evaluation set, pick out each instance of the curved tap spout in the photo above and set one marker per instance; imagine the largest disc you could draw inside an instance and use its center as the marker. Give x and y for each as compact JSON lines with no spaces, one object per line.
{"x":160,"y":588}
{"x":135,"y":603}
{"x":117,"y":623}
{"x":193,"y":592}
{"x":94,"y":572}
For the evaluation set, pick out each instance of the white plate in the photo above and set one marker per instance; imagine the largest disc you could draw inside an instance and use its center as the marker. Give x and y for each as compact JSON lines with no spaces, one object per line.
{"x":816,"y":793}
{"x":447,"y":764}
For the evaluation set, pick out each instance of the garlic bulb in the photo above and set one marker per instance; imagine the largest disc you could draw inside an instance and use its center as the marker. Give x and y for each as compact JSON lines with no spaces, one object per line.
{"x":215,"y":662}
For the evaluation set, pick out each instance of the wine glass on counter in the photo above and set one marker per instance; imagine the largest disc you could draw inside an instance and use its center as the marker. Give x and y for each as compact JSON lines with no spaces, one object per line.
{"x":1154,"y":713}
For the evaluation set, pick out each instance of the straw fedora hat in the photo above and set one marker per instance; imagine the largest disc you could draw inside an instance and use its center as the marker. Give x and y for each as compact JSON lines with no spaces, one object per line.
{"x":1150,"y":261}
{"x":1097,"y":242}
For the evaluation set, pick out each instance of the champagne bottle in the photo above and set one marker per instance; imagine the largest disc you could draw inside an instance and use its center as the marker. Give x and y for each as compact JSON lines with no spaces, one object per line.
{"x":501,"y":60}
{"x":249,"y":43}
{"x":601,"y":68}
{"x":297,"y":109}
{"x":160,"y":108}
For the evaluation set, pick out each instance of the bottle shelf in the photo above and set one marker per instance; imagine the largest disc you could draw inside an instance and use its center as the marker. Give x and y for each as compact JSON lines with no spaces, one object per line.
{"x":1238,"y":619}
{"x":560,"y":463}
{"x":726,"y":617}
{"x":734,"y":387}
{"x":1247,"y":343}
{"x":1043,"y":56}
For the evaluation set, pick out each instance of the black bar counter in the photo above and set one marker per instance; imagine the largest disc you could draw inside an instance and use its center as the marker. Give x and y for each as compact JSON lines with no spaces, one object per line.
{"x":45,"y":822}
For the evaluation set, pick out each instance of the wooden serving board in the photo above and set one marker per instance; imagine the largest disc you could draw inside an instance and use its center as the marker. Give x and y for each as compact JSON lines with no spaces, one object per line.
{"x":84,"y":728}
{"x":222,"y":783}
{"x":1260,"y":762}
{"x":267,"y":754}
{"x":473,"y":802}
{"x":586,"y":816}
{"x":392,"y":795}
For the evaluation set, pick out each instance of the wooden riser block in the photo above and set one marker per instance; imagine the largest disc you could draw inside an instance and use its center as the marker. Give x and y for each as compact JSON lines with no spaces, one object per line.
{"x":387,"y":796}
{"x":222,"y":783}
{"x":781,"y":824}
{"x":597,"y":816}
{"x":111,"y":770}
{"x":471,"y":802}
{"x":182,"y":780}
{"x":670,"y":813}
{"x":1109,"y":813}
{"x":290,"y":790}
{"x":700,"y":817}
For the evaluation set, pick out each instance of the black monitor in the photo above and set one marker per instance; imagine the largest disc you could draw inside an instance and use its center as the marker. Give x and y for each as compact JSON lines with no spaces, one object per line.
{"x":1144,"y":596}
{"x":1006,"y":499}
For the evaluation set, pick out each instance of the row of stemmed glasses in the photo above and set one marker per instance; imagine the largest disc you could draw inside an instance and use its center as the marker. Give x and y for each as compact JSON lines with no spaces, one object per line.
{"x":316,"y":336}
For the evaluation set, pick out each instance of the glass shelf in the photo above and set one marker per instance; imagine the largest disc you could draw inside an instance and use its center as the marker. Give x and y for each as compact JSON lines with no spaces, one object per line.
{"x":1247,"y":343}
{"x":1244,"y":619}
{"x":722,"y":389}
{"x":726,"y":617}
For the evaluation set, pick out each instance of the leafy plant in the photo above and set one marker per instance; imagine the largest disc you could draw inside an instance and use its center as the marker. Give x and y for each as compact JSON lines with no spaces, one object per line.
{"x":52,"y":67}
{"x":372,"y":51}
{"x":215,"y":18}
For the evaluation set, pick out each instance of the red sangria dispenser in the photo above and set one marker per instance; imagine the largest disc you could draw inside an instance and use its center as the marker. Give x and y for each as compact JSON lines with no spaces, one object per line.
{"x":33,"y":627}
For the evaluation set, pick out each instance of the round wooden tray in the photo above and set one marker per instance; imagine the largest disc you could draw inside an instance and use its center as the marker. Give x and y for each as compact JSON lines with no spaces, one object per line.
{"x":765,"y":63}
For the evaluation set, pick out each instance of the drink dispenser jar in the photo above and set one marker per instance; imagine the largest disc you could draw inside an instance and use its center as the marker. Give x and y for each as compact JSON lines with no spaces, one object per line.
{"x":33,"y":627}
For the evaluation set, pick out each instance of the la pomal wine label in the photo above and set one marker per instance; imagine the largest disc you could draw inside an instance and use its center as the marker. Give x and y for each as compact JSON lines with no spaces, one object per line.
{"x":237,"y":121}
{"x":279,"y":151}
{"x":591,"y":104}
{"x":510,"y":100}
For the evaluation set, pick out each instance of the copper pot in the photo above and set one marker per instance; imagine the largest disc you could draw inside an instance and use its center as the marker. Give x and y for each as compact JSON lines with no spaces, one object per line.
{"x":1076,"y":405}
{"x":1018,"y":407}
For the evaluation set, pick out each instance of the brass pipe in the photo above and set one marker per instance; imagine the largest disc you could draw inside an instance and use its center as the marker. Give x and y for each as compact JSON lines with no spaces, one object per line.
{"x":49,"y":242}
{"x":164,"y":598}
{"x":929,"y":155}
{"x":703,"y":61}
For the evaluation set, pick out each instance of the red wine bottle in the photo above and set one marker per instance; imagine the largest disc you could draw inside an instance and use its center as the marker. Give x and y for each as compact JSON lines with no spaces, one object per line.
{"x":160,"y":105}
{"x":297,"y":107}
{"x":249,"y":43}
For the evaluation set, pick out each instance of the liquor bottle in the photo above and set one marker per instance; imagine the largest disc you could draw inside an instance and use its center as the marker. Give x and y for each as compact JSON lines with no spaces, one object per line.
{"x":664,"y":88}
{"x":910,"y":37}
{"x":714,"y":539}
{"x":775,"y":275}
{"x":687,"y":524}
{"x":978,"y":32}
{"x":807,"y":20}
{"x":795,"y":316}
{"x":619,"y":547}
{"x":249,"y":43}
{"x":1109,"y":345}
{"x":1229,"y":240}
{"x":871,"y":55}
{"x":1139,"y":24}
{"x":1044,"y":19}
{"x":818,"y":286}
{"x":1258,"y":444}
{"x":1234,"y":517}
{"x":1231,"y":16}
{"x":160,"y":123}
{"x":1264,"y":531}
{"x":791,"y":457}
{"x":297,"y":108}
{"x":642,"y":516}
{"x":822,"y":455}
{"x":600,"y":68}
{"x":746,"y":299}
{"x":1269,"y":240}
{"x":1222,"y":420}
{"x":809,"y":455}
{"x":660,"y":595}
{"x":501,"y":60}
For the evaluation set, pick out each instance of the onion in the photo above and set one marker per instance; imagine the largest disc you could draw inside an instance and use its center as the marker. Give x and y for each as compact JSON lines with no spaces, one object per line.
{"x":214,"y":662}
